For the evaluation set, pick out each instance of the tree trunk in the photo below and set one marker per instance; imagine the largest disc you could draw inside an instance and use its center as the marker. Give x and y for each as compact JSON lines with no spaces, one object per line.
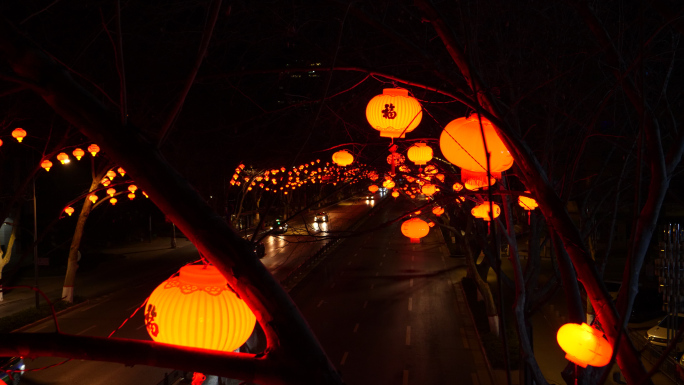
{"x":6,"y":256}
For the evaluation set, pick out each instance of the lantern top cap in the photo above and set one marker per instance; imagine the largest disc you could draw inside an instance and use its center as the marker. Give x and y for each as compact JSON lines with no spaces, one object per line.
{"x":201,"y":276}
{"x":395,"y":92}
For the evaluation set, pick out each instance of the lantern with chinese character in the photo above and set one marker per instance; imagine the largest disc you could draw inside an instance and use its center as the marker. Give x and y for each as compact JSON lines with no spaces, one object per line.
{"x":461,"y":143}
{"x":394,"y":113}
{"x":584,"y":345}
{"x":93,"y":149}
{"x":373,"y":188}
{"x":63,"y":158}
{"x":19,"y":134}
{"x":46,"y":164}
{"x":78,"y":153}
{"x":420,"y":153}
{"x":69,"y":210}
{"x":482,"y":211}
{"x":414,"y":229}
{"x":197,"y":309}
{"x":342,"y":158}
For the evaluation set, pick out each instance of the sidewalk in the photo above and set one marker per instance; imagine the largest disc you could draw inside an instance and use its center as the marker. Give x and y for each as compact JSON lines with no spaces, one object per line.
{"x":99,"y":272}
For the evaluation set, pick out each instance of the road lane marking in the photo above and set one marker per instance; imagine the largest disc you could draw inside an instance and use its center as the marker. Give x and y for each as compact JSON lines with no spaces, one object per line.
{"x":85,"y":330}
{"x":344,"y":358}
{"x":404,"y":380}
{"x":411,"y":282}
{"x":408,"y":336}
{"x":410,"y":307}
{"x":356,"y":328}
{"x":320,"y":303}
{"x":365,"y":303}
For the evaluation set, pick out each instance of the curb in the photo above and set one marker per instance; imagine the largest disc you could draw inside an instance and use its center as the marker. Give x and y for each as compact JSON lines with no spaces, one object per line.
{"x":57,"y":314}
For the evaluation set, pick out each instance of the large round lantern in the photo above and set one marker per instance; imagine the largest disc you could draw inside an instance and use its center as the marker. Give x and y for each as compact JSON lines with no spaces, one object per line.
{"x":420,"y":153}
{"x":197,"y":309}
{"x":373,"y":188}
{"x":415,"y":228}
{"x":461,"y":143}
{"x":584,"y":345}
{"x":19,"y":134}
{"x":342,"y":158}
{"x":388,"y":184}
{"x":428,"y":189}
{"x":394,"y":113}
{"x":482,"y":211}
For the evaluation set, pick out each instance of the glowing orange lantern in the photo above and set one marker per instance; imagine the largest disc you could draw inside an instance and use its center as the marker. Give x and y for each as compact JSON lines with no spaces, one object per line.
{"x":146,"y":196}
{"x":373,"y":175}
{"x":93,"y":149}
{"x":93,"y":198}
{"x":458,"y":187}
{"x":415,"y":228}
{"x":121,"y":171}
{"x":78,"y":153}
{"x":395,"y":157}
{"x":105,"y":181}
{"x":132,"y":188}
{"x":111,"y":174}
{"x":394,"y":113}
{"x":584,"y":345}
{"x":461,"y":143}
{"x":373,"y":188}
{"x":431,"y":223}
{"x":438,"y":210}
{"x":342,"y":158}
{"x":482,"y":211}
{"x":197,"y":309}
{"x":0,"y":142}
{"x":527,"y":203}
{"x":131,"y":196}
{"x":46,"y":164}
{"x":395,"y":193}
{"x":111,"y":192}
{"x":420,"y":153}
{"x":113,"y":201}
{"x":19,"y":134}
{"x":388,"y":183}
{"x":63,"y":157}
{"x":69,"y":210}
{"x":428,"y":189}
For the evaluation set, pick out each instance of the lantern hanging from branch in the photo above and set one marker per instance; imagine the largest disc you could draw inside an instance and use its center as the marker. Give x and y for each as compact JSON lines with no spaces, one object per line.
{"x":428,"y":189}
{"x":111,"y":192}
{"x":414,"y":229}
{"x":342,"y":158}
{"x":438,"y":210}
{"x":78,"y":153}
{"x":121,"y":171}
{"x":69,"y":210}
{"x":394,"y":113}
{"x":461,"y":143}
{"x":132,"y":188}
{"x":388,"y":184}
{"x":395,"y":193}
{"x":63,"y":158}
{"x":527,"y":203}
{"x":93,"y":149}
{"x":131,"y":196}
{"x":93,"y":198}
{"x":111,"y":174}
{"x":19,"y":134}
{"x":113,"y":201}
{"x":395,"y":157}
{"x":197,"y":309}
{"x":46,"y":164}
{"x":420,"y":153}
{"x":373,"y":188}
{"x":584,"y":345}
{"x":482,"y":211}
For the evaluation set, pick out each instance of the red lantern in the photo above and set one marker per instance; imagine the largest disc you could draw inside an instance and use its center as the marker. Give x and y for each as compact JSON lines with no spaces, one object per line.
{"x":93,"y":149}
{"x":46,"y":164}
{"x":395,"y":157}
{"x":458,"y":187}
{"x":342,"y":158}
{"x":482,"y":211}
{"x":438,"y":210}
{"x":111,"y":174}
{"x":394,"y":113}
{"x":527,"y":203}
{"x":428,"y":189}
{"x":420,"y":153}
{"x":111,"y":192}
{"x":132,"y":188}
{"x":78,"y":153}
{"x":19,"y":134}
{"x":113,"y":201}
{"x":105,"y":181}
{"x":584,"y":345}
{"x":415,"y":228}
{"x":388,"y":184}
{"x":63,"y":157}
{"x":197,"y":309}
{"x":395,"y":193}
{"x":461,"y":143}
{"x":93,"y":198}
{"x":0,"y":142}
{"x":373,"y":188}
{"x":131,"y":196}
{"x":121,"y":171}
{"x":69,"y":210}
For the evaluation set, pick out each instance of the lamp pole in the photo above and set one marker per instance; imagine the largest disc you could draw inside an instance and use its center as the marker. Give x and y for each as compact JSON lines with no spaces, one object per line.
{"x":35,"y":245}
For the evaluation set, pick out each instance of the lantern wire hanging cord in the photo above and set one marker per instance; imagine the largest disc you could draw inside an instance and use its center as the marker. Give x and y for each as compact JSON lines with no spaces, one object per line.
{"x":461,"y":144}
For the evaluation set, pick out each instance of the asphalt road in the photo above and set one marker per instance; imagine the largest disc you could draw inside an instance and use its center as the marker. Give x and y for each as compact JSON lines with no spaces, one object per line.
{"x":385,"y":309}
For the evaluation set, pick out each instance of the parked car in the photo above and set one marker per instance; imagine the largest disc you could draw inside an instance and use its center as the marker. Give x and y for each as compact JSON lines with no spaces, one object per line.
{"x":321,"y":217}
{"x":259,"y":250}
{"x":11,"y":369}
{"x":279,"y":226}
{"x":657,"y":335}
